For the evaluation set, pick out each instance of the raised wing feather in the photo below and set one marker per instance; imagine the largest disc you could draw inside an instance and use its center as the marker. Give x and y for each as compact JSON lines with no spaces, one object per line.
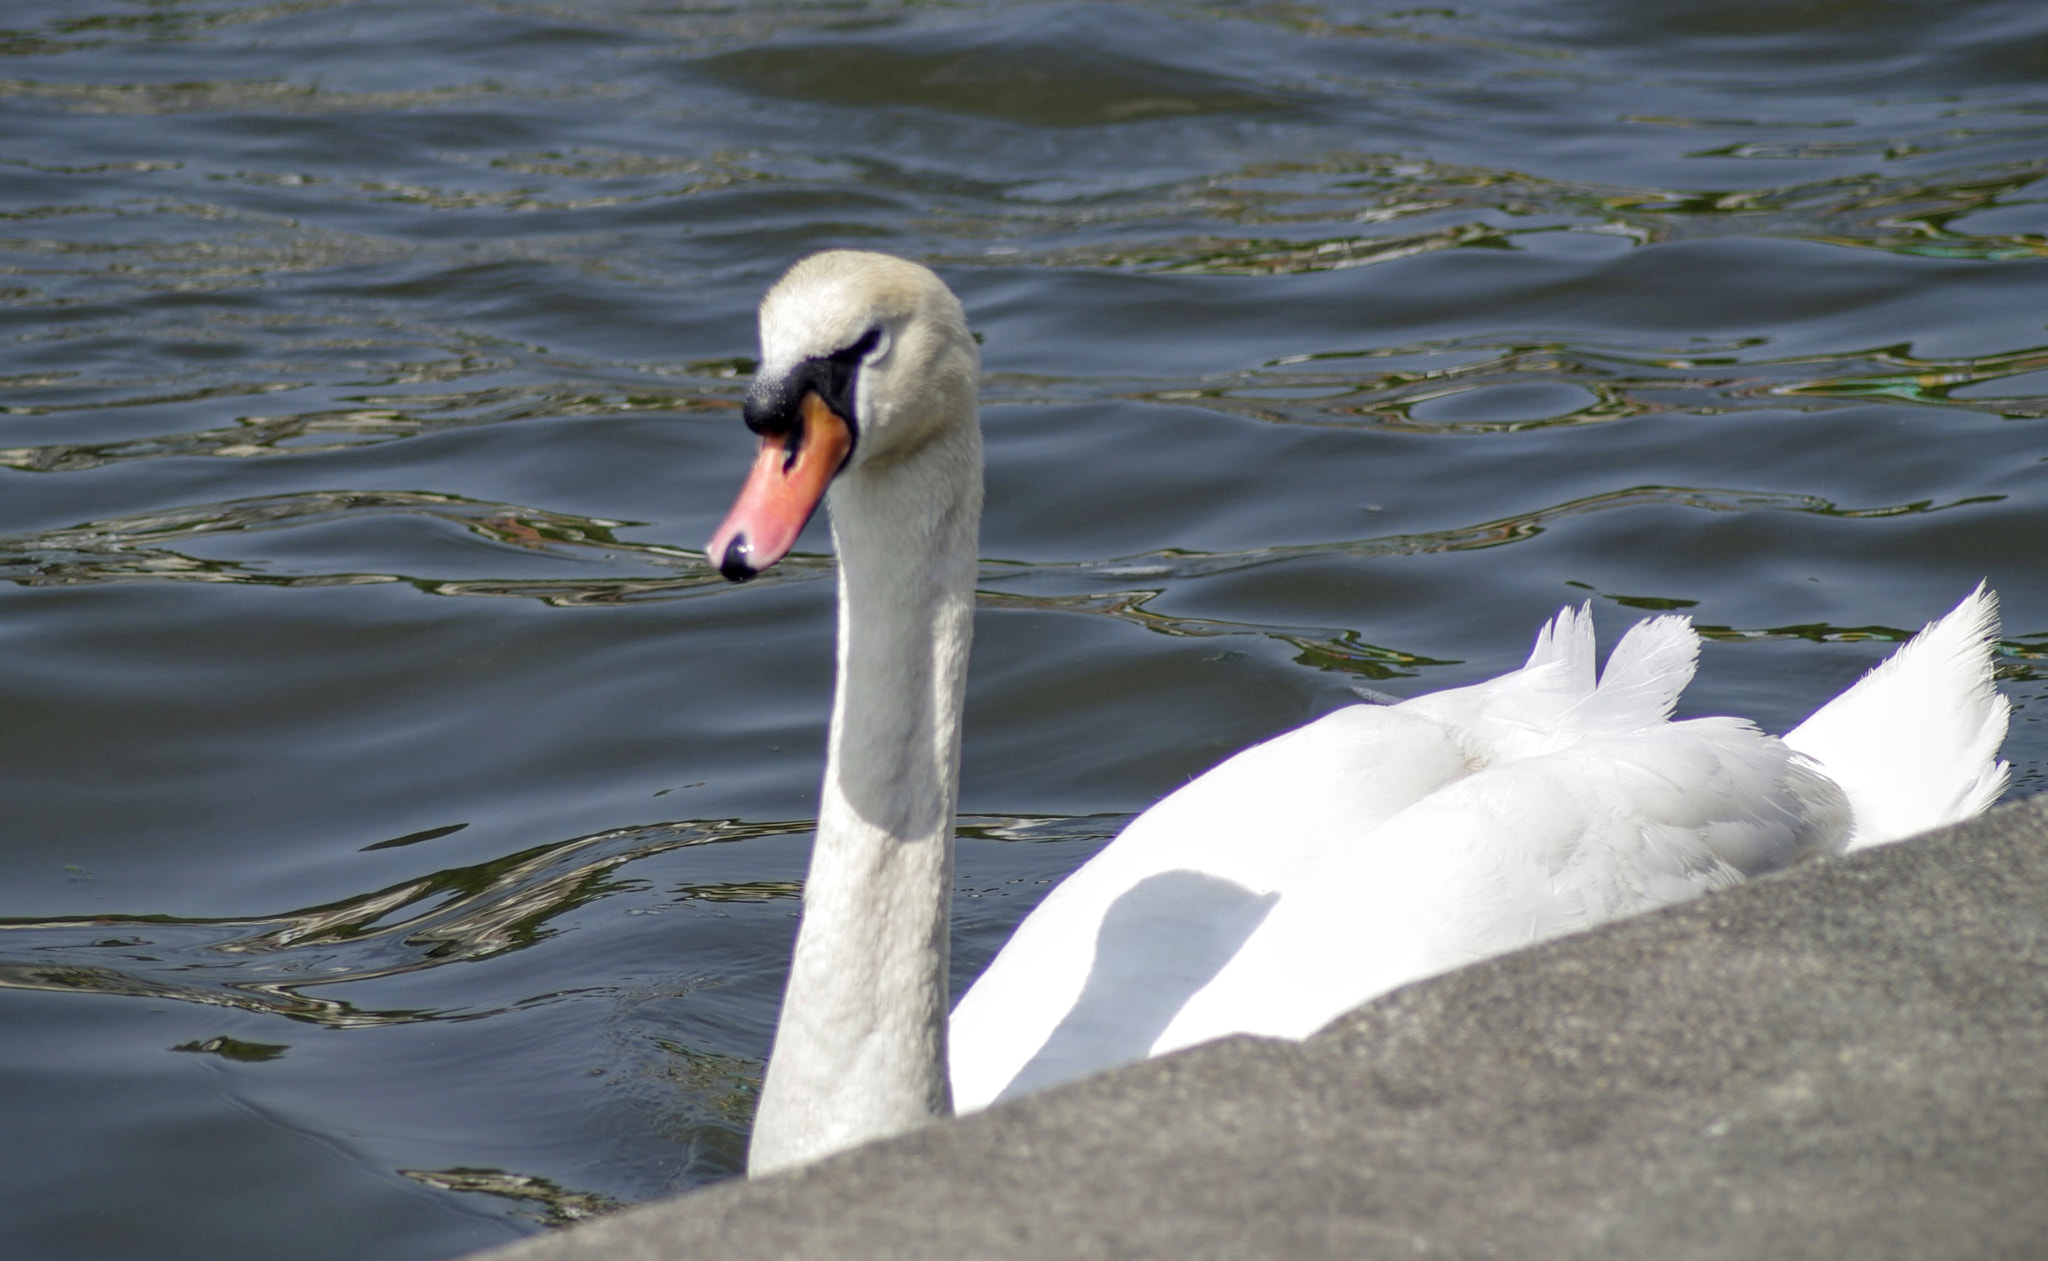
{"x":1644,"y":675}
{"x":1915,"y":742}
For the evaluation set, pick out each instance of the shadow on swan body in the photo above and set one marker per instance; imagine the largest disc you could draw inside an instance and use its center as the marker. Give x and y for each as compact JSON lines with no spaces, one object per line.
{"x":1375,"y":846}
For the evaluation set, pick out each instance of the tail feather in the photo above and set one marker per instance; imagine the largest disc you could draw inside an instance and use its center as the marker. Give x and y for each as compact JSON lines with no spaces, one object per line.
{"x":1566,"y":642}
{"x":1914,"y":744}
{"x":1644,"y":675}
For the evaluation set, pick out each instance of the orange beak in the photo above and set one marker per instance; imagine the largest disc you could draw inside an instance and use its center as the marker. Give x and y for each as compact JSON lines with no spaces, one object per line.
{"x":787,"y":484}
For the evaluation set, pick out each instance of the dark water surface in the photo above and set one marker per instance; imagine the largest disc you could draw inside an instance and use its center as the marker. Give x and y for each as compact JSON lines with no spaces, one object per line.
{"x":403,"y":825}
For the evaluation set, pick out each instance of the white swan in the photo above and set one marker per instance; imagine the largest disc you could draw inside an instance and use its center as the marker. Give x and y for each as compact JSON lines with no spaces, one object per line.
{"x":1299,"y":878}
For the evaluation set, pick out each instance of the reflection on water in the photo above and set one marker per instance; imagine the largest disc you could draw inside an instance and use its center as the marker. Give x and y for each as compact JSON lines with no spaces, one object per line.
{"x":268,"y":964}
{"x":1328,"y":344}
{"x":1616,"y":386}
{"x":538,"y":1198}
{"x":1497,"y":209}
{"x":134,"y":550}
{"x":459,"y":915}
{"x":375,"y":418}
{"x":1390,"y":387}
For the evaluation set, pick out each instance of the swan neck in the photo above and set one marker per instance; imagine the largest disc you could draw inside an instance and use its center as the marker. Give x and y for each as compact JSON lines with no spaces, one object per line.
{"x":860,"y":1050}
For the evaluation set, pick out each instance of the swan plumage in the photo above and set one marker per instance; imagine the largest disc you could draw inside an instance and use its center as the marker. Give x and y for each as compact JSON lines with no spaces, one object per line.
{"x":1372,"y":847}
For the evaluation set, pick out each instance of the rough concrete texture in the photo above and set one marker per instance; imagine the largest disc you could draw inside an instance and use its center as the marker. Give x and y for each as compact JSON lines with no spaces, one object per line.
{"x":1845,"y":1060}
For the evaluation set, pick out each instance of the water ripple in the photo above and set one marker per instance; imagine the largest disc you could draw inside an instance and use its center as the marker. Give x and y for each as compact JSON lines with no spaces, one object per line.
{"x":137,"y":548}
{"x":1394,"y":387}
{"x":282,"y":964}
{"x":1904,"y":213}
{"x":277,"y":964}
{"x":369,"y":419}
{"x":541,"y":1200}
{"x":1174,"y":563}
{"x":277,"y":96}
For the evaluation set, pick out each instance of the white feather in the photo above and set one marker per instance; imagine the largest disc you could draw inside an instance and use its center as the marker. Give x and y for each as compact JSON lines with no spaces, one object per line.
{"x":1384,"y":844}
{"x":1914,"y":744}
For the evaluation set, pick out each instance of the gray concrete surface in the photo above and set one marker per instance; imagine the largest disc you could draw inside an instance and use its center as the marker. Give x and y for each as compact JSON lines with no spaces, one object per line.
{"x":1842,"y":1061}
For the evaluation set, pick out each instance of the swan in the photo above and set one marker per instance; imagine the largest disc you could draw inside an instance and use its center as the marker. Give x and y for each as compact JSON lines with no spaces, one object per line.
{"x":1377,"y":845}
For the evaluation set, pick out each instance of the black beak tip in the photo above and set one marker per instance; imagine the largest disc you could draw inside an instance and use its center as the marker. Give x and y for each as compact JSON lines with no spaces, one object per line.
{"x":734,"y":564}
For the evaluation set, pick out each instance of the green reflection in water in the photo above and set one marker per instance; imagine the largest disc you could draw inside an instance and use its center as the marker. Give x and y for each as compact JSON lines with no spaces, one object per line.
{"x":540,"y":1199}
{"x":1319,"y":648}
{"x":236,"y":1049}
{"x":136,"y":549}
{"x":1383,"y":387}
{"x":2016,"y":657}
{"x":730,"y":1083}
{"x":1481,"y":207}
{"x":371,"y":419}
{"x":269,"y":964}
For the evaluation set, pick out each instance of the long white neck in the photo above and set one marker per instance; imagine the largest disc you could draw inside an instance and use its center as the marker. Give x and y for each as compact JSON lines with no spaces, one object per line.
{"x":860,"y":1052}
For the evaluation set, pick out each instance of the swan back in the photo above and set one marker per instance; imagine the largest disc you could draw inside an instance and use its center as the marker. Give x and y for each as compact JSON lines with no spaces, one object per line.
{"x":1382,"y":844}
{"x":1584,"y":803}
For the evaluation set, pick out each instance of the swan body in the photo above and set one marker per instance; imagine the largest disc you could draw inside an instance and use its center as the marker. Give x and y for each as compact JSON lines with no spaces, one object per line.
{"x":1383,"y":844}
{"x":1375,"y":846}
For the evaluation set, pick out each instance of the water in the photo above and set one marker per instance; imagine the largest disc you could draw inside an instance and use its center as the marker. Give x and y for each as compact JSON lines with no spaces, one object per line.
{"x":403,"y":825}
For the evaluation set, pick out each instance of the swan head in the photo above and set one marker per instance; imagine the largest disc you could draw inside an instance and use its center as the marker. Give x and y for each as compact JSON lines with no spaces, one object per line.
{"x":866,"y":360}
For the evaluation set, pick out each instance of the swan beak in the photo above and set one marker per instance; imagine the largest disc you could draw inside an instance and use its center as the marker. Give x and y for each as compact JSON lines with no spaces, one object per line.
{"x":784,"y":489}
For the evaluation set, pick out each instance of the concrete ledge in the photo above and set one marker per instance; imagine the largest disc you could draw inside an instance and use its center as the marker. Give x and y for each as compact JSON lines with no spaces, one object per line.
{"x":1850,"y":1059}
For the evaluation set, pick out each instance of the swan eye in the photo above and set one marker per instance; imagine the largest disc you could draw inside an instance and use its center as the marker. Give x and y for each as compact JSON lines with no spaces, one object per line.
{"x":861,"y":350}
{"x":772,"y":401}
